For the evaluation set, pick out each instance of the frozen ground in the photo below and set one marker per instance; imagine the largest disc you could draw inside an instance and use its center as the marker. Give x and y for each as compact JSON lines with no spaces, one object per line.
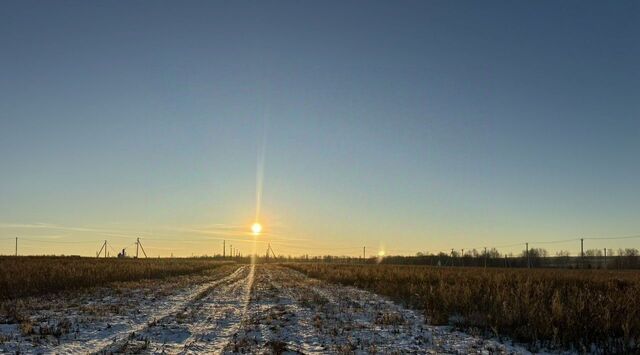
{"x":246,"y":309}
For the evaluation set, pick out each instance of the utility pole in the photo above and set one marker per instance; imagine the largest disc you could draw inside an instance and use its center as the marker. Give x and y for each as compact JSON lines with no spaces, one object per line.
{"x":17,"y":246}
{"x":272,"y":253}
{"x":527,"y":251}
{"x":364,"y":253}
{"x":139,"y":245}
{"x":104,"y":246}
{"x":605,"y":258}
{"x":485,"y":257}
{"x":582,"y":252}
{"x":224,"y":249}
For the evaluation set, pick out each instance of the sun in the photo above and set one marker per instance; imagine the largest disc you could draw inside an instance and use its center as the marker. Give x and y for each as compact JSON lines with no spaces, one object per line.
{"x":256,"y":228}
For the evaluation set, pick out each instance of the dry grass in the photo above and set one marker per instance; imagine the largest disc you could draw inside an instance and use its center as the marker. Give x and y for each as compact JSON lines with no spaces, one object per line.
{"x":553,"y":308}
{"x":31,"y":276}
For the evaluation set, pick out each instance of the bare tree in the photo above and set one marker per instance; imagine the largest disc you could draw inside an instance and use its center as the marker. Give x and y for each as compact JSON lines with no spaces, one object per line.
{"x":593,"y":252}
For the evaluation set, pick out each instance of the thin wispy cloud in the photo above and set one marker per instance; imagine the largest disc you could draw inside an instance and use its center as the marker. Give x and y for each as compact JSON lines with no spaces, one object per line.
{"x":101,"y":231}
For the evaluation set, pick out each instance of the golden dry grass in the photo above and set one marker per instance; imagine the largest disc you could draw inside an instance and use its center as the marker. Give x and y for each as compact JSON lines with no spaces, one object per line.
{"x":35,"y":275}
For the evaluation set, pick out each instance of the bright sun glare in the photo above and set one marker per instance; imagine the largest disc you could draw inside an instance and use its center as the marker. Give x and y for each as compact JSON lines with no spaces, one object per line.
{"x":256,"y":228}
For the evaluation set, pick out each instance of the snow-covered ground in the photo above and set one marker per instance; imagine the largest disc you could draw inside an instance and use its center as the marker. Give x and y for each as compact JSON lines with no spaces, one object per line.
{"x":246,"y":309}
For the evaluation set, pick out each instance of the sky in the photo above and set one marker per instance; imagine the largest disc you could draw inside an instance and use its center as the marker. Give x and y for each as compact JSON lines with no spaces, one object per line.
{"x":404,"y":126}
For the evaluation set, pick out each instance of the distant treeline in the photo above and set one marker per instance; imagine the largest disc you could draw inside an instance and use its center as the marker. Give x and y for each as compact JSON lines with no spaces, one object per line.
{"x":536,"y":257}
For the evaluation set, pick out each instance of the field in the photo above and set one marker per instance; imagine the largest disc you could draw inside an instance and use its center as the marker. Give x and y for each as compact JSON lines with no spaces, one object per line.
{"x":202,"y":306}
{"x":563,"y":309}
{"x":224,"y":308}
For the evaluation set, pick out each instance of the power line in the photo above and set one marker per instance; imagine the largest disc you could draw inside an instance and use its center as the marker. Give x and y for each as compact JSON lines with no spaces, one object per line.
{"x":556,"y":241}
{"x":613,"y":238}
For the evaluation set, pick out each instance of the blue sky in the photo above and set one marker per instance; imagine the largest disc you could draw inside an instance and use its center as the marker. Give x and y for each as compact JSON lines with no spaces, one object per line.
{"x":410,"y":126}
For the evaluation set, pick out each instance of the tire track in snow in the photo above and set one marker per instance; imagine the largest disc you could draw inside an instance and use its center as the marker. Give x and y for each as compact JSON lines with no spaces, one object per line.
{"x":204,"y":325}
{"x":141,"y":338}
{"x":217,"y":340}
